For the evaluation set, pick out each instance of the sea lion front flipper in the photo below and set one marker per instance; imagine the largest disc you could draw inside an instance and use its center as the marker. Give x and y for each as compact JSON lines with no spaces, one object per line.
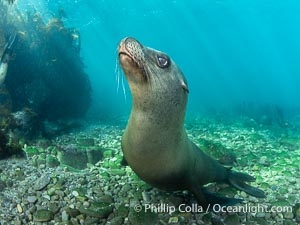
{"x":124,"y":162}
{"x":238,"y":180}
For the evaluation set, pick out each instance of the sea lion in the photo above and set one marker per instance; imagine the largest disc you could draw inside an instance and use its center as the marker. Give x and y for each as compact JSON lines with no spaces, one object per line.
{"x":155,"y":143}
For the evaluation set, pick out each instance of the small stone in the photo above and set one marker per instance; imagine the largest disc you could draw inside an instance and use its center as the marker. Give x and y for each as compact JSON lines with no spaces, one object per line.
{"x":115,"y":172}
{"x":173,"y":220}
{"x":97,"y":209}
{"x":42,"y":215}
{"x":118,"y":220}
{"x":260,"y":221}
{"x":107,"y":154}
{"x":75,"y":193}
{"x":47,"y":197}
{"x":296,"y":210}
{"x":86,"y":204}
{"x":41,"y":183}
{"x":31,"y":199}
{"x":72,"y":212}
{"x":142,"y":217}
{"x":122,"y":210}
{"x":18,"y":221}
{"x":232,"y":220}
{"x":86,"y":141}
{"x":54,"y":207}
{"x":64,"y":216}
{"x":51,"y":191}
{"x":106,"y":199}
{"x":175,"y":200}
{"x":145,"y":196}
{"x":260,"y":215}
{"x":288,"y":215}
{"x":19,"y":208}
{"x":51,"y":161}
{"x":288,"y":222}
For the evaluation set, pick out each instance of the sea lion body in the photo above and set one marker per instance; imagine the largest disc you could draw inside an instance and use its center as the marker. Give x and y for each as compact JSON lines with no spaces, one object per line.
{"x":155,"y":143}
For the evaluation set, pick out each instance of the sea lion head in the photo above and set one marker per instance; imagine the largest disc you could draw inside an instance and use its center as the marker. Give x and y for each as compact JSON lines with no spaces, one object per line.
{"x":154,"y":78}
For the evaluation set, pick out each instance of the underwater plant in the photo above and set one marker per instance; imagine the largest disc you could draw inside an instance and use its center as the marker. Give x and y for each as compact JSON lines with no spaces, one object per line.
{"x":45,"y":74}
{"x":8,"y":146}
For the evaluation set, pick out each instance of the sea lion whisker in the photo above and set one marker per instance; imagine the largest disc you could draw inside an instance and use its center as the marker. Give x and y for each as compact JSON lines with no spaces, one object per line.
{"x":117,"y":72}
{"x":123,"y":87}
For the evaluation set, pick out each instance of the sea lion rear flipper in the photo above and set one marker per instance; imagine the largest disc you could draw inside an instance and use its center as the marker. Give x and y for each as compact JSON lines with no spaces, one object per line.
{"x":206,"y":198}
{"x":238,"y":180}
{"x":213,"y":199}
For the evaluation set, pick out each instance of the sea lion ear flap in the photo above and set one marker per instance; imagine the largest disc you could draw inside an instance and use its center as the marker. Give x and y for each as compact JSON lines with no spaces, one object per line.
{"x":185,"y":86}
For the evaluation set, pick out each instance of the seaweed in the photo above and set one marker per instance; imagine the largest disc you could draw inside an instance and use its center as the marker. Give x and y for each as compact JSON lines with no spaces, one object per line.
{"x":45,"y":73}
{"x":8,"y":146}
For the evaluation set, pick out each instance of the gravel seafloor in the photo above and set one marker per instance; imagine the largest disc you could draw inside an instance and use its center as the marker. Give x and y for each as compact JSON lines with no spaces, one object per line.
{"x":34,"y":191}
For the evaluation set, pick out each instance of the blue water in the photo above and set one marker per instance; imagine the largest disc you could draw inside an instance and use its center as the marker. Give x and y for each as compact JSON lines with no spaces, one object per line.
{"x":230,"y":51}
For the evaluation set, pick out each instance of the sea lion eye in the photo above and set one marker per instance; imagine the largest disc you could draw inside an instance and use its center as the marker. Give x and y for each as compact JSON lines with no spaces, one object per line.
{"x":163,"y":61}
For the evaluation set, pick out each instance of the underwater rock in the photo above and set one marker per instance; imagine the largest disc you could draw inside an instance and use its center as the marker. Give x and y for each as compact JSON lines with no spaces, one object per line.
{"x":2,"y":185}
{"x":118,"y":220}
{"x":55,"y":128}
{"x":51,"y":161}
{"x":26,"y":123}
{"x":32,"y":199}
{"x":143,"y":217}
{"x":4,"y":149}
{"x":233,"y":219}
{"x":78,"y":158}
{"x":122,"y":210}
{"x":291,"y":142}
{"x":72,"y":212}
{"x":218,"y":151}
{"x":99,"y":210}
{"x":41,"y":183}
{"x":86,"y":142}
{"x":43,"y":215}
{"x":296,"y":210}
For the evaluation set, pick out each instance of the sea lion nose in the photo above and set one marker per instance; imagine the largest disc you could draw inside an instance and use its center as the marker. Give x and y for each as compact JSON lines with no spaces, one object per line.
{"x":129,"y":40}
{"x":127,"y":43}
{"x":131,"y":43}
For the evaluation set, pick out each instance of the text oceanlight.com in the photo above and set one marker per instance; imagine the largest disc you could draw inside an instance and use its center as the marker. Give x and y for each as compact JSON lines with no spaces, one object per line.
{"x":195,"y":208}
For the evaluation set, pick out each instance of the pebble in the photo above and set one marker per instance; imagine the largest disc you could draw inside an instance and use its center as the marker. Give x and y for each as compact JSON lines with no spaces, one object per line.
{"x":260,"y":215}
{"x":64,"y":216}
{"x":288,"y":215}
{"x":75,"y":193}
{"x":173,"y":220}
{"x":41,"y":183}
{"x":42,"y":215}
{"x":31,"y":199}
{"x":47,"y":197}
{"x":145,"y":196}
{"x":19,"y":208}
